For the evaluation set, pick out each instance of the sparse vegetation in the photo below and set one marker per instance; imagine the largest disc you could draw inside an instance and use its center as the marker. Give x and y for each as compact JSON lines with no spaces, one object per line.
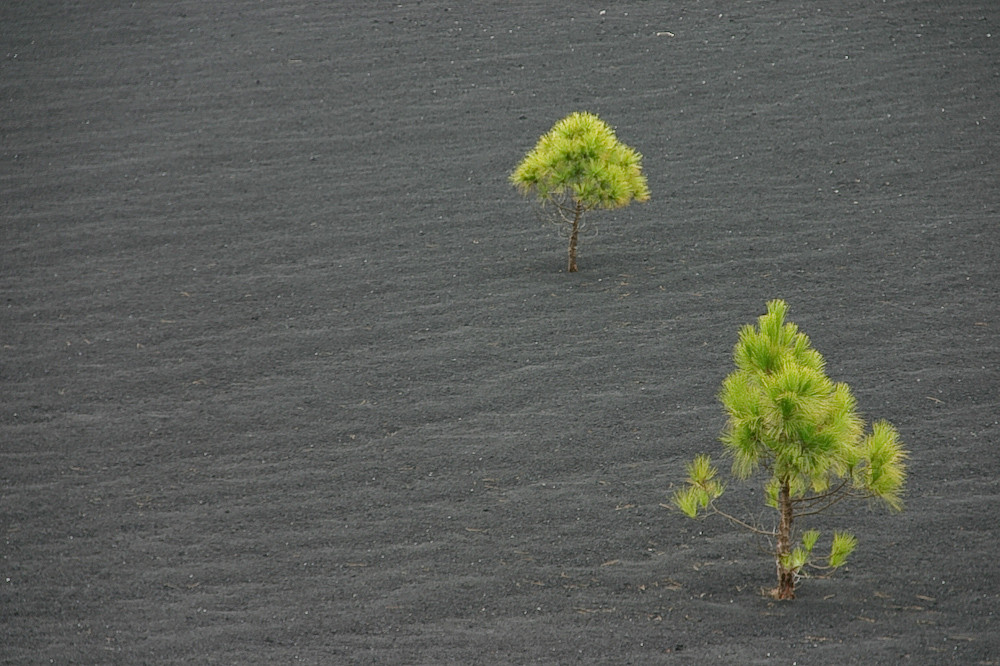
{"x":800,"y":431}
{"x":577,"y":166}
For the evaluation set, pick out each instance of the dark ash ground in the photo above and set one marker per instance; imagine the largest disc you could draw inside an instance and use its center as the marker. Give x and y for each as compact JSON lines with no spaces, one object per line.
{"x":291,"y":373}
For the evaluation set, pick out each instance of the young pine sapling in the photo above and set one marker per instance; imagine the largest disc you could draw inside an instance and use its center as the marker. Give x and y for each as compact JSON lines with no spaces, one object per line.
{"x":790,"y":422}
{"x":577,"y":166}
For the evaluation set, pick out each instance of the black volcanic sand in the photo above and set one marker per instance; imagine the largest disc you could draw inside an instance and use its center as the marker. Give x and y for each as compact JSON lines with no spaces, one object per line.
{"x":292,"y":374}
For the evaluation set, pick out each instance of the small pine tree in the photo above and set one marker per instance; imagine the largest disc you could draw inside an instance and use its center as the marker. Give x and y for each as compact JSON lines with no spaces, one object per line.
{"x":577,"y":166}
{"x":788,"y":420}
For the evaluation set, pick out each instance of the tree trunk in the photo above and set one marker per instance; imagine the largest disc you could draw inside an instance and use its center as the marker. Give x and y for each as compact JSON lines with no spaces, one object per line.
{"x":574,"y":237}
{"x":786,"y":577}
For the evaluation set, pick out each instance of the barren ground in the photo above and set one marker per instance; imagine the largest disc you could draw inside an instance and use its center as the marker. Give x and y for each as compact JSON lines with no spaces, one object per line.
{"x":292,"y":374}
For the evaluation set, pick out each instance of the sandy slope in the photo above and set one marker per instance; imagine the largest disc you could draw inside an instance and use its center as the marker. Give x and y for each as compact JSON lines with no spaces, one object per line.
{"x":292,"y":374}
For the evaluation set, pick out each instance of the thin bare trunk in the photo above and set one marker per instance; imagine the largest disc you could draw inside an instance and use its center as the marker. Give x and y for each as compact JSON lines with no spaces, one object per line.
{"x":786,"y":576}
{"x":574,"y":236}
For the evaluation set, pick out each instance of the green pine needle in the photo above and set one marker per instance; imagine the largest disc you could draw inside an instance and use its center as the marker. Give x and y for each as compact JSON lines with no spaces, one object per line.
{"x":844,"y":544}
{"x":809,"y":539}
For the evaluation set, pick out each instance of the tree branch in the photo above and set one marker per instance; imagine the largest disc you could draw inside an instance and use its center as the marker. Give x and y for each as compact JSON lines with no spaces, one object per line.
{"x":817,"y":498}
{"x":741,"y":523}
{"x":832,"y":502}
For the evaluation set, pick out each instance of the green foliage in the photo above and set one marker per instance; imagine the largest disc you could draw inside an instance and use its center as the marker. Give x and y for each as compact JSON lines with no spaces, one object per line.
{"x":799,"y":557}
{"x":580,"y":165}
{"x":790,"y":421}
{"x":809,"y":539}
{"x":581,"y":156}
{"x":881,"y":468}
{"x":788,"y":417}
{"x":702,"y":487}
{"x":843,"y":545}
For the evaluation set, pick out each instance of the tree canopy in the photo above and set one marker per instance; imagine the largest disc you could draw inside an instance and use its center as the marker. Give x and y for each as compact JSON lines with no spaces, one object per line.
{"x":580,"y":158}
{"x":788,"y":417}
